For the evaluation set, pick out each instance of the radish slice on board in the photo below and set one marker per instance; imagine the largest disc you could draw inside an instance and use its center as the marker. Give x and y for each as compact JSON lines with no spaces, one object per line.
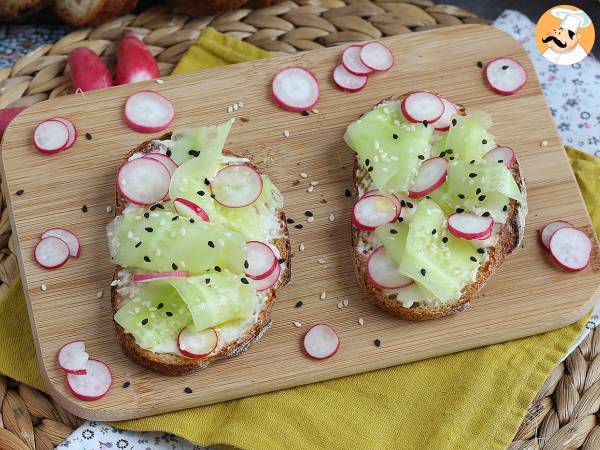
{"x":504,"y":155}
{"x":321,"y":342}
{"x":431,"y":175}
{"x":197,"y":344}
{"x":51,"y":253}
{"x":143,"y":181}
{"x":422,"y":106}
{"x":370,"y":212}
{"x":50,"y":136}
{"x":94,"y":384}
{"x":352,"y":63}
{"x":295,"y":89}
{"x":505,"y":76}
{"x":189,"y":209}
{"x":571,"y":249}
{"x":269,"y":282}
{"x":376,"y":56}
{"x":72,"y":358}
{"x":237,"y":185}
{"x":383,"y":271}
{"x":70,"y":239}
{"x":148,"y":112}
{"x":450,"y":109}
{"x":168,"y":162}
{"x":550,"y":229}
{"x":347,"y":81}
{"x":72,"y":131}
{"x":144,"y":277}
{"x":470,"y":226}
{"x":392,"y":197}
{"x":261,"y":260}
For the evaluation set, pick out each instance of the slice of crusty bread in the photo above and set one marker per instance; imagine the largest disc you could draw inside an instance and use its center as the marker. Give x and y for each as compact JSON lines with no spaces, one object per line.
{"x":80,"y":13}
{"x":172,"y":364}
{"x":20,"y":8}
{"x":510,"y":237}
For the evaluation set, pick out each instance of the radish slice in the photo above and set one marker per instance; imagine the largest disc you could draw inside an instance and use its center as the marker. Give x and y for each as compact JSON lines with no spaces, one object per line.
{"x":50,"y":136}
{"x":69,"y":238}
{"x":370,"y":212}
{"x":505,"y":76}
{"x":295,"y":89}
{"x":168,"y":162}
{"x":431,"y":175}
{"x":51,"y":252}
{"x":382,"y":270}
{"x":143,"y":181}
{"x":352,"y":63}
{"x":470,"y":226}
{"x":321,"y":342}
{"x":145,"y":277}
{"x":376,"y":56}
{"x":197,"y":344}
{"x":504,"y":155}
{"x":261,"y":260}
{"x":237,"y":185}
{"x":550,"y":229}
{"x":94,"y":384}
{"x":450,"y":109}
{"x":571,"y":249}
{"x":73,"y":358}
{"x":72,"y":131}
{"x":148,"y":112}
{"x":190,"y":209}
{"x":347,"y":81}
{"x":392,"y":197}
{"x":269,"y":282}
{"x":422,"y":106}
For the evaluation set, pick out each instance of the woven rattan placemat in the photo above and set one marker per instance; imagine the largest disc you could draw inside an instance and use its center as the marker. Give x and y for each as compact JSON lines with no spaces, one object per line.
{"x":563,"y":415}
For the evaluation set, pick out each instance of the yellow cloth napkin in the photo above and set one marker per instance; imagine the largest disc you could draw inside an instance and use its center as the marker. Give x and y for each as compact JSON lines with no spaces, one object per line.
{"x":470,"y":400}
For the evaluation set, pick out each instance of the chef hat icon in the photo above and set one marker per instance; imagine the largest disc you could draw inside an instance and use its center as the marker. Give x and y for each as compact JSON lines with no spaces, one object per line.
{"x":571,"y":19}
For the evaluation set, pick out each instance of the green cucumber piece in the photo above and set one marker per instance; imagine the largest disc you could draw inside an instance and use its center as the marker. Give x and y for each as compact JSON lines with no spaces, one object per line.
{"x":469,"y":138}
{"x":393,"y":237}
{"x":207,"y":141}
{"x":487,"y":176}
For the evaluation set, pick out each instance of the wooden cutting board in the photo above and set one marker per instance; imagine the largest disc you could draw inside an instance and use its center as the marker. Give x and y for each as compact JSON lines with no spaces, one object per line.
{"x":528,"y":295}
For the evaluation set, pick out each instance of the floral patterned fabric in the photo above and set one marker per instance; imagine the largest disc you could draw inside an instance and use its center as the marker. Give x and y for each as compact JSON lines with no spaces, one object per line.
{"x":16,"y":41}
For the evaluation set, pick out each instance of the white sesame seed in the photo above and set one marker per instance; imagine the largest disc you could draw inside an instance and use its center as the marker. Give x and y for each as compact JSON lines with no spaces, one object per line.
{"x":183,"y":231}
{"x":114,"y":282}
{"x":315,"y":110}
{"x":43,"y":287}
{"x":301,"y":246}
{"x":310,"y":189}
{"x":286,"y":133}
{"x":340,"y":305}
{"x":544,"y":143}
{"x":235,"y":106}
{"x":303,"y":175}
{"x":310,"y":219}
{"x":130,"y":234}
{"x":297,"y":324}
{"x":361,"y":321}
{"x":314,"y":183}
{"x":323,"y":295}
{"x":109,"y":209}
{"x":230,"y":109}
{"x":158,"y":252}
{"x":99,"y":294}
{"x":345,"y":302}
{"x":331,"y":217}
{"x":322,"y":260}
{"x":159,"y":81}
{"x":241,"y":104}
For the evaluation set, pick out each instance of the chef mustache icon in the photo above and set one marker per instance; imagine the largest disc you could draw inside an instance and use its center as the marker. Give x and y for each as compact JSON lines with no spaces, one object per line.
{"x":557,"y":41}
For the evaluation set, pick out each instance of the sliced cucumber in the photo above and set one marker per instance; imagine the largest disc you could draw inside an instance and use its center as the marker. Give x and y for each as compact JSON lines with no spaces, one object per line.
{"x":469,"y":139}
{"x":467,"y":178}
{"x":203,"y":143}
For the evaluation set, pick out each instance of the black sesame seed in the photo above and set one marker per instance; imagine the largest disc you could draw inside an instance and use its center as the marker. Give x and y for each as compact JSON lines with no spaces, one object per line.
{"x":505,"y":208}
{"x":425,"y":123}
{"x":145,"y":322}
{"x":246,"y":265}
{"x":484,"y":141}
{"x":211,"y":244}
{"x":453,"y":122}
{"x":281,"y":260}
{"x":433,"y":231}
{"x":299,"y":304}
{"x":451,"y":158}
{"x":393,"y":231}
{"x":472,"y":161}
{"x":400,"y":219}
{"x":347,"y":193}
{"x":147,"y":215}
{"x":370,"y":169}
{"x":147,"y":258}
{"x":486,"y":214}
{"x":409,"y":204}
{"x":481,"y":198}
{"x":20,"y":192}
{"x":138,"y":244}
{"x":212,"y":195}
{"x":444,"y":239}
{"x":308,"y":213}
{"x":480,"y":64}
{"x":149,"y":229}
{"x":298,"y":227}
{"x":84,"y":208}
{"x":175,"y":218}
{"x":126,"y":385}
{"x":395,"y":136}
{"x":402,"y":203}
{"x":217,"y":268}
{"x":206,"y":182}
{"x":174,"y":266}
{"x":462,"y":196}
{"x":477,"y":191}
{"x":88,"y":136}
{"x":159,"y":206}
{"x":500,"y":161}
{"x":421,"y":157}
{"x":304,"y":113}
{"x":194,"y":153}
{"x":289,"y":220}
{"x":428,"y":197}
{"x":244,"y":280}
{"x":449,"y":151}
{"x":367,"y":162}
{"x":480,"y":251}
{"x":377,"y":343}
{"x":160,"y":305}
{"x":153,"y":207}
{"x":188,"y":390}
{"x":207,"y":280}
{"x":169,"y":152}
{"x":472,"y":258}
{"x":200,"y":193}
{"x":459,"y":210}
{"x":472,"y":175}
{"x":442,"y":154}
{"x":423,"y":272}
{"x":192,"y":221}
{"x":504,"y":67}
{"x":169,"y":313}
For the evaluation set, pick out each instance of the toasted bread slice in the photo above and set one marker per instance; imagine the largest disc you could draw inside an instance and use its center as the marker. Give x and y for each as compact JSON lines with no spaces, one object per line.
{"x":509,"y":238}
{"x":20,"y":8}
{"x":173,"y":364}
{"x":80,"y":13}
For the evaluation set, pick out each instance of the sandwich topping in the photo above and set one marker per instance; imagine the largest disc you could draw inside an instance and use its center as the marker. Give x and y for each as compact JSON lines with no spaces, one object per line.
{"x":434,"y":193}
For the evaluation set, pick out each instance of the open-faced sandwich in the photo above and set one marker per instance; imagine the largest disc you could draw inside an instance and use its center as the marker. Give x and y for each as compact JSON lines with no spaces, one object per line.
{"x":201,"y":247}
{"x":439,"y":204}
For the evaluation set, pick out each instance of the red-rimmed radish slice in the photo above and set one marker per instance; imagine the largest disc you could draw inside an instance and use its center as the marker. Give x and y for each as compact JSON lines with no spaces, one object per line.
{"x":383,"y":271}
{"x":550,"y":229}
{"x":431,"y":175}
{"x":450,"y":109}
{"x":261,"y":260}
{"x":352,"y":63}
{"x":237,"y":185}
{"x":148,"y":112}
{"x":470,"y":226}
{"x":50,"y":136}
{"x":420,"y":106}
{"x":505,"y":76}
{"x":504,"y":155}
{"x":145,"y":277}
{"x":376,"y":56}
{"x":269,"y":282}
{"x":295,"y":89}
{"x":190,"y":209}
{"x":395,"y":199}
{"x":321,"y":342}
{"x":197,"y":344}
{"x":70,"y":239}
{"x":51,"y":252}
{"x":162,"y":158}
{"x":72,"y":131}
{"x":143,"y":181}
{"x":72,"y":358}
{"x":94,"y":384}
{"x":347,"y":81}
{"x":571,"y":249}
{"x":370,"y":212}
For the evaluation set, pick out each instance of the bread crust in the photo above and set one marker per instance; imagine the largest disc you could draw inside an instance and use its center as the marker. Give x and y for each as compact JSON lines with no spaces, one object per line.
{"x":22,"y":8}
{"x":171,"y":364}
{"x":100,"y":12}
{"x":510,"y":237}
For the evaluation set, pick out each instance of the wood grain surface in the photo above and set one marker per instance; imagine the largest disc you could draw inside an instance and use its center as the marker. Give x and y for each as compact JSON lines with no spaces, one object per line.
{"x":528,"y":295}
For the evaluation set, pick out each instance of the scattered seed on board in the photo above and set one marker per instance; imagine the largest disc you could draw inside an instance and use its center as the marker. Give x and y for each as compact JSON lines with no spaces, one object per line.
{"x":310,"y":219}
{"x":345,"y":302}
{"x":303,"y":175}
{"x":315,"y":111}
{"x":43,"y":287}
{"x":241,"y":104}
{"x":361,"y":321}
{"x":314,"y":183}
{"x":286,"y":133}
{"x":109,"y":209}
{"x":99,"y":294}
{"x":310,"y":189}
{"x":544,"y":143}
{"x":301,"y":246}
{"x":340,"y":305}
{"x":331,"y":217}
{"x":323,"y":295}
{"x":230,"y":109}
{"x":236,"y":106}
{"x":114,"y":282}
{"x":159,"y":81}
{"x":322,"y":261}
{"x":297,"y":324}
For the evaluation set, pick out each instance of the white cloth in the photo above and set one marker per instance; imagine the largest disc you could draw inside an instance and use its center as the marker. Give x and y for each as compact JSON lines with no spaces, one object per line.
{"x":573,"y":56}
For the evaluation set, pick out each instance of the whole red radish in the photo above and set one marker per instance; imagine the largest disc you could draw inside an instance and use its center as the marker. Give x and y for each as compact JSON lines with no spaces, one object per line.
{"x":134,"y":61}
{"x":6,"y":117}
{"x":88,"y":71}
